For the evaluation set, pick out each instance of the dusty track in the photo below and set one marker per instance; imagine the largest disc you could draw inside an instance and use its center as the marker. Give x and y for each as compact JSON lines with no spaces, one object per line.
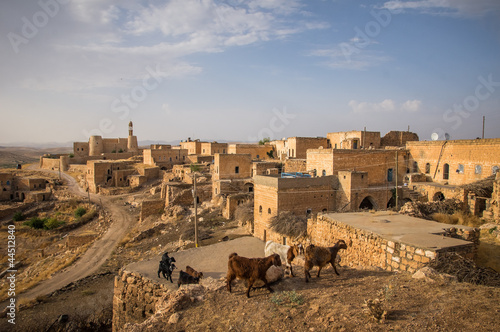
{"x":97,"y":254}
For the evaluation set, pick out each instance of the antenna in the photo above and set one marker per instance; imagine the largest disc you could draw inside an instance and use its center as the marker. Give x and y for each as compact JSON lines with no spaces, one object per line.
{"x":434,"y":136}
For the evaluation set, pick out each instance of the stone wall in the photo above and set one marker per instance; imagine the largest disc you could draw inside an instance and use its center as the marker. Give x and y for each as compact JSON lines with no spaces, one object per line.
{"x":295,"y":165}
{"x":135,"y":298}
{"x":377,"y":163}
{"x":366,"y":249}
{"x":461,"y":162}
{"x":151,"y":207}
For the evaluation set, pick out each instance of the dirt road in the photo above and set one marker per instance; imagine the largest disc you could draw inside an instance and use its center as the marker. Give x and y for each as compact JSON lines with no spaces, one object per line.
{"x":97,"y":254}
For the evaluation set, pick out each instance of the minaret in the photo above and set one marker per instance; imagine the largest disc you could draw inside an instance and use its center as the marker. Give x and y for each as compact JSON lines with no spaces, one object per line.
{"x":132,"y":145}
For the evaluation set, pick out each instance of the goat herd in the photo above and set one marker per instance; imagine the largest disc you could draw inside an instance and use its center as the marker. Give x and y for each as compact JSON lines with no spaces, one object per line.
{"x":253,"y":269}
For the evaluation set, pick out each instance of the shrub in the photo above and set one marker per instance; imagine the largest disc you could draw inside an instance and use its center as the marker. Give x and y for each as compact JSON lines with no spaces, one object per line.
{"x":71,"y":155}
{"x":35,"y":222}
{"x":80,"y":212}
{"x":18,"y":216}
{"x":52,"y":223}
{"x":120,"y":151}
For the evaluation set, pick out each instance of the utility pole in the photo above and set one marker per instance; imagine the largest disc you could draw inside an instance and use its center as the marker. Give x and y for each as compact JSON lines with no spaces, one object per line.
{"x":484,"y":118}
{"x":195,"y":196}
{"x":396,"y":180}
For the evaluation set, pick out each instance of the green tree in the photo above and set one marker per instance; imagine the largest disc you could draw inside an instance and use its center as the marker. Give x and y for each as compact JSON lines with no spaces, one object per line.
{"x":265,"y":140}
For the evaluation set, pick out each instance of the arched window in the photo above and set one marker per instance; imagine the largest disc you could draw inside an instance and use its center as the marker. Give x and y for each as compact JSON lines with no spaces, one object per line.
{"x":269,"y":211}
{"x":446,"y":171}
{"x":427,"y":168}
{"x":260,"y":209}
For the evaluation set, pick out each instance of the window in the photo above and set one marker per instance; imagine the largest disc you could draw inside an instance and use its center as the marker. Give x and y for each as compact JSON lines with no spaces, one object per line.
{"x":478,"y":169}
{"x":335,"y":145}
{"x":308,"y":212}
{"x":170,"y":158}
{"x":8,"y":182}
{"x":223,"y":150}
{"x":260,"y":209}
{"x":389,"y":175}
{"x":236,"y":169}
{"x":446,"y":171}
{"x":216,"y":191}
{"x":460,"y":169}
{"x":323,"y":172}
{"x":258,"y":156}
{"x":427,"y":168}
{"x":495,"y":169}
{"x":415,"y":167}
{"x":269,"y":211}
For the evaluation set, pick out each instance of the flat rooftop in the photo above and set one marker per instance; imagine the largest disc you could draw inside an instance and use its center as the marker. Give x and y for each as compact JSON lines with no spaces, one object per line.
{"x":396,"y":227}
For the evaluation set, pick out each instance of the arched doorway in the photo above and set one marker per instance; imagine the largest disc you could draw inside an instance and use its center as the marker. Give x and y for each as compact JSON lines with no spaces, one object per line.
{"x":439,"y":196}
{"x":368,"y":203}
{"x":446,"y":172}
{"x":391,"y":203}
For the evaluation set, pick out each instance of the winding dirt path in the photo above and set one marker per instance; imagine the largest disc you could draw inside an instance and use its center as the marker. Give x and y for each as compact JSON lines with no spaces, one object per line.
{"x":96,"y":255}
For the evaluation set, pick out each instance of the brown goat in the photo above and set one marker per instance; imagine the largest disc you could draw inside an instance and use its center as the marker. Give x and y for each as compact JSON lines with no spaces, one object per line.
{"x":250,"y":269}
{"x":320,"y":256}
{"x":294,"y":251}
{"x":193,"y":272}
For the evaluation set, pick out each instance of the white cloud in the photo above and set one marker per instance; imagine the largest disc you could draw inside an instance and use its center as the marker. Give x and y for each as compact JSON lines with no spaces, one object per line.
{"x":353,"y":59}
{"x":387,"y":105}
{"x":459,"y":8}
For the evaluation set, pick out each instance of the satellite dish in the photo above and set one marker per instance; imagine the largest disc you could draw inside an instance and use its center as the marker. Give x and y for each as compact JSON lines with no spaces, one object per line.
{"x":434,"y":136}
{"x":446,"y":136}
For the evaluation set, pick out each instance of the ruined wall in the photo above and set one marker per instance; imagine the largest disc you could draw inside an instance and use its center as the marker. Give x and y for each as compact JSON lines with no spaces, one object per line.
{"x":232,"y":203}
{"x":369,"y":249}
{"x":181,"y":194}
{"x":151,"y":207}
{"x":398,"y":138}
{"x":466,"y":160}
{"x":135,"y":298}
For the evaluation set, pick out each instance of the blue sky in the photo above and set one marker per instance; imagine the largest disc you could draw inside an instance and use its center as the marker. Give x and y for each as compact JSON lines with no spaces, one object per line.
{"x":243,"y":70}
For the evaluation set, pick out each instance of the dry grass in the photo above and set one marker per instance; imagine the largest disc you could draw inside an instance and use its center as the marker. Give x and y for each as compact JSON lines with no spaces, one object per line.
{"x":42,"y":270}
{"x":457,"y":218}
{"x":288,"y":224}
{"x":244,"y":213}
{"x":488,"y":254}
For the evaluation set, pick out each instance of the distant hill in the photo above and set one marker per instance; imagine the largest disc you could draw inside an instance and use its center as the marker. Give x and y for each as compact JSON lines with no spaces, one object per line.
{"x":12,"y":155}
